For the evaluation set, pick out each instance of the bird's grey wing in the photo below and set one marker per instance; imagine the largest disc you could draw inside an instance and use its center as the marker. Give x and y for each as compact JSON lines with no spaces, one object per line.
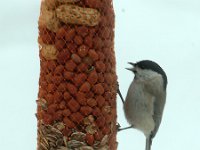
{"x":155,"y":88}
{"x":159,"y":104}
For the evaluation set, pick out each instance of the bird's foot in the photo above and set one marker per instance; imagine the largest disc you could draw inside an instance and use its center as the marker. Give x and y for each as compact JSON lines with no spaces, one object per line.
{"x":119,"y":92}
{"x":120,"y":129}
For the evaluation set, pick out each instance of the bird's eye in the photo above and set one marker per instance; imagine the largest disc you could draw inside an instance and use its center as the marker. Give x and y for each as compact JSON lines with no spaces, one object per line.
{"x":142,"y":67}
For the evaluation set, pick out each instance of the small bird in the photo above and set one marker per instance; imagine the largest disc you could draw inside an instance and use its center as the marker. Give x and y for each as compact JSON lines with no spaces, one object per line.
{"x":145,"y":99}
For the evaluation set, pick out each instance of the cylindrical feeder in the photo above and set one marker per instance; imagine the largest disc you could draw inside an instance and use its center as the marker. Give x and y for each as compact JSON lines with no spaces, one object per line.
{"x":76,"y":106}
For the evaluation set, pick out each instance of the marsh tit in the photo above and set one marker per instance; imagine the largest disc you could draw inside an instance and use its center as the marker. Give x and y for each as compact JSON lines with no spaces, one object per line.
{"x":145,"y":99}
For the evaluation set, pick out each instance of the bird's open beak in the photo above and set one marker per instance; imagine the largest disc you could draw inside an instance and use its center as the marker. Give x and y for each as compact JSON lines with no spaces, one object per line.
{"x":133,"y":64}
{"x":131,"y":69}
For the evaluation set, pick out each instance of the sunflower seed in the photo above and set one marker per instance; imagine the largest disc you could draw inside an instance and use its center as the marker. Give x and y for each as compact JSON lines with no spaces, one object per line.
{"x":75,"y":144}
{"x":104,"y":141}
{"x":59,"y":142}
{"x":78,"y":136}
{"x":106,"y":147}
{"x":45,"y":141}
{"x":60,"y":126}
{"x":65,"y":140}
{"x":86,"y":148}
{"x":52,"y":144}
{"x":63,"y":148}
{"x":41,"y":145}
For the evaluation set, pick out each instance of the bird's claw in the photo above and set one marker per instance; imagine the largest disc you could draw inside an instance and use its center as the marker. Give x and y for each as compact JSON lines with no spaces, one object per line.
{"x":118,"y":126}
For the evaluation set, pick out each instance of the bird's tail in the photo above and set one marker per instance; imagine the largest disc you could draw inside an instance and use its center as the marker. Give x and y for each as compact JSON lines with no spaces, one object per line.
{"x":148,"y":143}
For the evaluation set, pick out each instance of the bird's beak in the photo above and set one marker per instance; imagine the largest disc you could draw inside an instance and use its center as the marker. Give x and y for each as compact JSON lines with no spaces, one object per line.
{"x":133,"y":64}
{"x":131,"y":69}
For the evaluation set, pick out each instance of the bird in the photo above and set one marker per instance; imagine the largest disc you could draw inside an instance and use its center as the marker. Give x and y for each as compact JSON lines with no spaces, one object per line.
{"x":145,"y":99}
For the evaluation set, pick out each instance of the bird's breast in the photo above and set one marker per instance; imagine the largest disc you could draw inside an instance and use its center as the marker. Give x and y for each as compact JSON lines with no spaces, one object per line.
{"x":138,"y":107}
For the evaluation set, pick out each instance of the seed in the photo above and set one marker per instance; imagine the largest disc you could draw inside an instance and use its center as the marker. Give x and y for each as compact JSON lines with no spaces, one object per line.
{"x":82,"y":50}
{"x":98,"y":43}
{"x":57,"y":79}
{"x":62,"y":87}
{"x":67,"y":96}
{"x":100,"y":121}
{"x":59,"y":44}
{"x":91,"y":129}
{"x":105,"y":33}
{"x":66,"y":132}
{"x":100,"y":66}
{"x":52,"y":109}
{"x":82,"y":31}
{"x":66,"y":112}
{"x":108,"y":78}
{"x":82,"y":67}
{"x":70,"y":65}
{"x":73,"y":144}
{"x":80,"y":96}
{"x":90,"y":94}
{"x":79,"y":79}
{"x":68,"y":122}
{"x":62,"y":105}
{"x":96,"y":112}
{"x":98,"y":136}
{"x":108,"y":118}
{"x":85,"y":87}
{"x":78,"y":136}
{"x":58,"y":115}
{"x":59,"y":70}
{"x":73,"y":105}
{"x":57,"y":96}
{"x":101,"y":77}
{"x":47,"y":119}
{"x":106,"y":109}
{"x":98,"y":89}
{"x":69,"y":35}
{"x":88,"y":61}
{"x":88,"y":41}
{"x":78,"y":40}
{"x":76,"y":117}
{"x":86,"y":110}
{"x":72,"y":47}
{"x":92,"y":78}
{"x":60,"y":34}
{"x":101,"y":56}
{"x":106,"y":130}
{"x":100,"y":100}
{"x":94,"y":3}
{"x":49,"y":52}
{"x":71,"y":88}
{"x":89,"y":138}
{"x":51,"y":65}
{"x":49,"y":98}
{"x":68,"y":75}
{"x":63,"y":56}
{"x":47,"y":36}
{"x":76,"y":58}
{"x":91,"y":102}
{"x":92,"y":53}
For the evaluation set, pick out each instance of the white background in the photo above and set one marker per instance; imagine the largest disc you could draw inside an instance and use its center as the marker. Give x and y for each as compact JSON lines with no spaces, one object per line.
{"x":166,"y":31}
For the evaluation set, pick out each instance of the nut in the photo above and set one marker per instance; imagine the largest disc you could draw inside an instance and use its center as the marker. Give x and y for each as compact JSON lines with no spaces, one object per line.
{"x":48,"y":18}
{"x":49,"y":52}
{"x":72,"y":14}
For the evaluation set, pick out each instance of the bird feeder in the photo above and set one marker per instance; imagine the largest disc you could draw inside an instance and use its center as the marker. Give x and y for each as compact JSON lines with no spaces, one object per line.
{"x":76,"y":106}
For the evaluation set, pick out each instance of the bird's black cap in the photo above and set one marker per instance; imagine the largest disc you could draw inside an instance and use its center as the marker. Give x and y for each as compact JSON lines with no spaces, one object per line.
{"x":151,"y":65}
